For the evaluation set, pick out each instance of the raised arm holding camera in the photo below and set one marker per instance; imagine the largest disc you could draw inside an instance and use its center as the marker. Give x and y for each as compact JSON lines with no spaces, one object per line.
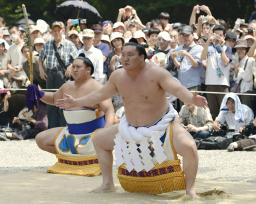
{"x":218,"y":67}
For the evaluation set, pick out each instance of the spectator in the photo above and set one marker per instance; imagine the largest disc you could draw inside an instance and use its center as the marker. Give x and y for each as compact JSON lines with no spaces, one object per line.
{"x":204,"y":27}
{"x":244,"y":71}
{"x":132,"y":27}
{"x":83,"y":24}
{"x":128,"y":14}
{"x":36,"y":73}
{"x":233,"y":114}
{"x":152,"y":40}
{"x":204,"y":21}
{"x":189,"y":63}
{"x":163,"y":42}
{"x":252,"y":28}
{"x":94,"y":54}
{"x":155,"y":24}
{"x":30,"y":122}
{"x":2,"y":22}
{"x":250,"y":40}
{"x":105,"y":39}
{"x":54,"y":71}
{"x":243,"y":144}
{"x":107,"y":27}
{"x":104,"y":47}
{"x":34,"y":33}
{"x":7,"y":38}
{"x":217,"y":67}
{"x":141,"y":38}
{"x":4,"y":82}
{"x":17,"y":75}
{"x":197,"y":120}
{"x":246,"y":143}
{"x":174,"y":43}
{"x":160,"y":56}
{"x":73,"y":36}
{"x":4,"y":106}
{"x":113,"y":60}
{"x":252,"y":50}
{"x":39,"y":45}
{"x":119,"y":27}
{"x":164,"y":19}
{"x":230,"y":41}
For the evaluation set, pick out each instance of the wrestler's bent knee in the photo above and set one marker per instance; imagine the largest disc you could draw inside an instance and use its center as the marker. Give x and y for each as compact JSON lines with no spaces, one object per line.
{"x":40,"y":140}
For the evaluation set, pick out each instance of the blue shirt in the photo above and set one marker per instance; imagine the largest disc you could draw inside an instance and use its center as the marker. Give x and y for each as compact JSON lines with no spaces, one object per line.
{"x":105,"y":48}
{"x":191,"y":76}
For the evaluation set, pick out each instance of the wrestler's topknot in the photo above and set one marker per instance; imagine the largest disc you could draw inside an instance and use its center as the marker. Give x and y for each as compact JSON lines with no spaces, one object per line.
{"x":86,"y":61}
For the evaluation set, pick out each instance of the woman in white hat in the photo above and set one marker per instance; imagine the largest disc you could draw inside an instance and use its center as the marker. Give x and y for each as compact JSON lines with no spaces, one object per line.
{"x":244,"y":71}
{"x":39,"y":44}
{"x":113,"y":61}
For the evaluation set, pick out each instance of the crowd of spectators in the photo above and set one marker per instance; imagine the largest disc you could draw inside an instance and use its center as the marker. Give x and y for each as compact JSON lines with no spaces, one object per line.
{"x":204,"y":54}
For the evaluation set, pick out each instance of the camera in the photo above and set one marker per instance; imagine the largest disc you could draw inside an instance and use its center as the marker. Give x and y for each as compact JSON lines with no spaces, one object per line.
{"x":205,"y":19}
{"x":75,"y":22}
{"x":83,"y":21}
{"x":250,"y":31}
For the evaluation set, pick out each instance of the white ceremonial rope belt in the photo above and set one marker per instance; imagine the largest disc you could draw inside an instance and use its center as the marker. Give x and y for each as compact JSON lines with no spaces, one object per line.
{"x":132,"y":144}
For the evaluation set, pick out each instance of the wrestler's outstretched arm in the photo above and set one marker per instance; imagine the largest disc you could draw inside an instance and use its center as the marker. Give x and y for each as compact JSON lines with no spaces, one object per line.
{"x":92,"y":99}
{"x":174,"y":87}
{"x":51,"y":97}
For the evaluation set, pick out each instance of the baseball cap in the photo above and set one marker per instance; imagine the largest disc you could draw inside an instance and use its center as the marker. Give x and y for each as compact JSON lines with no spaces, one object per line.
{"x":165,"y":35}
{"x":187,"y":30}
{"x":39,"y":41}
{"x":231,"y":36}
{"x":89,"y":33}
{"x":72,"y":32}
{"x":58,"y":24}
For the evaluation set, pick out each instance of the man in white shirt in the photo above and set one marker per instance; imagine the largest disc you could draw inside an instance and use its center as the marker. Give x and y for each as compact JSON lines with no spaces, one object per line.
{"x":94,"y":54}
{"x":217,"y":67}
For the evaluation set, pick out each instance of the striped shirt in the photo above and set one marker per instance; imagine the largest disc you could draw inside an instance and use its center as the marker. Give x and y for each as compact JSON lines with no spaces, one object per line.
{"x":66,"y":50}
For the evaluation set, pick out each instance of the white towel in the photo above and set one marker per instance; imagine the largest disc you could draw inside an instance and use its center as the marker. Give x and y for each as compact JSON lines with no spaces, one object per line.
{"x":239,"y":108}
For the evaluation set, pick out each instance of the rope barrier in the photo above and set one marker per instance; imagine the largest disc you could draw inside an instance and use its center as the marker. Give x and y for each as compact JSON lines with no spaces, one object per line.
{"x":26,"y":89}
{"x":198,"y":92}
{"x":224,"y":93}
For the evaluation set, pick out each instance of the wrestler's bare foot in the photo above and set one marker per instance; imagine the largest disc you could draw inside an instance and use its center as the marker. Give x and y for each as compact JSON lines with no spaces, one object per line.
{"x":192,"y":193}
{"x":107,"y":188}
